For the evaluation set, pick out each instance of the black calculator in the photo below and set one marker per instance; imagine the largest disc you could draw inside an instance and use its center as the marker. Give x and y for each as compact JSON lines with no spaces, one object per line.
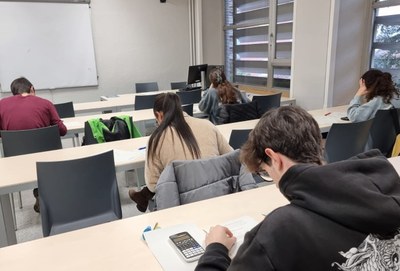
{"x":187,"y":246}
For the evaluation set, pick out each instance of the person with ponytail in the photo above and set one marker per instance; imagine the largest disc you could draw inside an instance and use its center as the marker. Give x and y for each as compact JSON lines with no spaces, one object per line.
{"x":220,"y":92}
{"x":177,"y":137}
{"x":376,"y":91}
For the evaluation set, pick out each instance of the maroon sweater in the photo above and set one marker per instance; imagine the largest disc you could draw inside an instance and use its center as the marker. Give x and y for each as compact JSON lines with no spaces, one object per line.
{"x":28,"y":112}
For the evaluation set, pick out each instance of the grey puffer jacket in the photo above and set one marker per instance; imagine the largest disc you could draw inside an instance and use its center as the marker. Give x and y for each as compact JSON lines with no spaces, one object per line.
{"x":188,"y":181}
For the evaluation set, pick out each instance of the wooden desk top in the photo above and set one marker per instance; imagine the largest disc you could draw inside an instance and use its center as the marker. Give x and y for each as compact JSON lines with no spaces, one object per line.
{"x":120,"y":101}
{"x":118,"y":246}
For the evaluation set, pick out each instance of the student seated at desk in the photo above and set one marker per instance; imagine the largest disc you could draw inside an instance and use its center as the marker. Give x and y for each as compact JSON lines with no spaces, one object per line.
{"x":220,"y":92}
{"x":178,"y":137}
{"x":341,"y":216}
{"x":376,"y":91}
{"x":24,"y":110}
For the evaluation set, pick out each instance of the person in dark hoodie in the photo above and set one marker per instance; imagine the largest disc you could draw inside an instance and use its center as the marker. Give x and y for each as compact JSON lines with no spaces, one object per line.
{"x":341,"y":216}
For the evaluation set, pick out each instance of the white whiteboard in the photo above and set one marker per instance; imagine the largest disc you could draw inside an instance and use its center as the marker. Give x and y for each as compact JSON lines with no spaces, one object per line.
{"x":50,"y":44}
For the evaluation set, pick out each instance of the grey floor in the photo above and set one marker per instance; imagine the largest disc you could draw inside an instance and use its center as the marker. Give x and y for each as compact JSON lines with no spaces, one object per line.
{"x":28,"y":221}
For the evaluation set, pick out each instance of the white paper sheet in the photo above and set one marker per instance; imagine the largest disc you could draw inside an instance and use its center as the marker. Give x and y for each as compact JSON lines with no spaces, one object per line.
{"x":123,"y":156}
{"x":239,"y":227}
{"x":165,"y":253}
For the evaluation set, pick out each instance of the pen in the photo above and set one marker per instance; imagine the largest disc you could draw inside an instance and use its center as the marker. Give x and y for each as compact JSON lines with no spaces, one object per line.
{"x":142,"y":148}
{"x":327,"y":114}
{"x":155,"y":226}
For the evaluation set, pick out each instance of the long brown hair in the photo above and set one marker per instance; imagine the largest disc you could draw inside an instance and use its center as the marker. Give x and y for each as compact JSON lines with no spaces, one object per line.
{"x":379,"y":83}
{"x":226,"y":92}
{"x":170,"y":105}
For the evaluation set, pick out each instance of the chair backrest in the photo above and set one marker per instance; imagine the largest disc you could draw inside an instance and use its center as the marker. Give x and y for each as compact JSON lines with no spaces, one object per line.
{"x":78,"y":193}
{"x":146,"y":87}
{"x":144,"y":101}
{"x":190,"y":96}
{"x":267,"y":102}
{"x":238,"y":138}
{"x":188,"y":108}
{"x":65,"y":110}
{"x":29,"y":141}
{"x":239,"y":112}
{"x":382,"y":133}
{"x":345,"y":140}
{"x":187,"y":181}
{"x":178,"y":85}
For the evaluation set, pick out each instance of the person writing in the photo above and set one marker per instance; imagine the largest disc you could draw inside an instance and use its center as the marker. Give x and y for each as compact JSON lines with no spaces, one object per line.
{"x":24,"y":110}
{"x":177,"y":137}
{"x":340,"y":216}
{"x":376,"y":91}
{"x":220,"y":92}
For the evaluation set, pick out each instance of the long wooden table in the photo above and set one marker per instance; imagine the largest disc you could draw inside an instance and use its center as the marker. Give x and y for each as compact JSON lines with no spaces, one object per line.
{"x":19,"y":172}
{"x":118,"y":245}
{"x":127,"y":101}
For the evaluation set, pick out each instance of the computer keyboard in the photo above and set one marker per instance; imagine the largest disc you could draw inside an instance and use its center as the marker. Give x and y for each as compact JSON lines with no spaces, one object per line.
{"x":188,"y":88}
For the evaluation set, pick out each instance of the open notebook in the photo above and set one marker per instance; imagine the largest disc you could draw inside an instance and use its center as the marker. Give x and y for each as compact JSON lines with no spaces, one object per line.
{"x":168,"y":257}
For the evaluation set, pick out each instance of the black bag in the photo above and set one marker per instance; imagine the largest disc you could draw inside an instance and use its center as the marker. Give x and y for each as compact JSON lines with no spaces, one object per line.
{"x":112,"y":129}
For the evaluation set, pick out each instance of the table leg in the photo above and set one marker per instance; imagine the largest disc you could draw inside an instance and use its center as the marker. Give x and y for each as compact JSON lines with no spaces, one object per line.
{"x":7,"y":232}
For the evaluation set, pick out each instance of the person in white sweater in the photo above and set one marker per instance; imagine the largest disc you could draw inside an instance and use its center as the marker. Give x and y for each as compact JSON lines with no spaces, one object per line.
{"x":376,"y":91}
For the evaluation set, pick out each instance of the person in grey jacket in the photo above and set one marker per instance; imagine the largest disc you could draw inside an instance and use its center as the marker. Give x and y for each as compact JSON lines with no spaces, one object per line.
{"x":376,"y":91}
{"x":220,"y":92}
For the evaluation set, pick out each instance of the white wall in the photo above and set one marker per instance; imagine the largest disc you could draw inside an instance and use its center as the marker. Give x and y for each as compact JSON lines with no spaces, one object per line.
{"x":135,"y":41}
{"x":310,"y":50}
{"x":329,"y":50}
{"x":351,"y":50}
{"x":213,"y":33}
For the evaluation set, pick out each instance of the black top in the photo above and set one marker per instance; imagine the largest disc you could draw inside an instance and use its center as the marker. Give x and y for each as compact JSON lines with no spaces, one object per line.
{"x":341,"y":216}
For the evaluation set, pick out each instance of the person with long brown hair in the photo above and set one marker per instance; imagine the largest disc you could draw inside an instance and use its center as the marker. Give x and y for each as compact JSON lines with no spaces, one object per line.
{"x":177,"y":137}
{"x":220,"y":92}
{"x":376,"y":91}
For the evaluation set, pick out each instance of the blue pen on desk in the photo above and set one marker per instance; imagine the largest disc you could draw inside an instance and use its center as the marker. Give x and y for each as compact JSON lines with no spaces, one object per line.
{"x":142,"y":148}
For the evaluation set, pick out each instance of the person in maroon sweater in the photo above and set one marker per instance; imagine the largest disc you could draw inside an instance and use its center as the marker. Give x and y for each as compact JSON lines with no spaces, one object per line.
{"x":24,"y":110}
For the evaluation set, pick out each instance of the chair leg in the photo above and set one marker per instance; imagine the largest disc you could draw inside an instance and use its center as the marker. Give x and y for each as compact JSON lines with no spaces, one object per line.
{"x":13,"y":211}
{"x":20,"y":200}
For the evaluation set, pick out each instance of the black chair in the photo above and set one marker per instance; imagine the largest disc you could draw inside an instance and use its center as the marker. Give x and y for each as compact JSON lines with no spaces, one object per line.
{"x":267,"y":102}
{"x":78,"y":193}
{"x":178,"y":85}
{"x":345,"y":140}
{"x":238,"y":137}
{"x":188,"y":108}
{"x":146,"y":87}
{"x":65,"y":110}
{"x":383,"y":133}
{"x":20,"y":142}
{"x":144,"y":101}
{"x":190,"y":96}
{"x":29,"y":141}
{"x":241,"y":112}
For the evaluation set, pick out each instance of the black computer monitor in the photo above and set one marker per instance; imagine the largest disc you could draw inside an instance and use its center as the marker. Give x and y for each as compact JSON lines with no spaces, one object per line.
{"x":209,"y":69}
{"x":194,"y":73}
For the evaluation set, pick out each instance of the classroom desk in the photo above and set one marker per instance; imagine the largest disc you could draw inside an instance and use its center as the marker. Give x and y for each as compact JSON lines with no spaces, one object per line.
{"x":130,"y":98}
{"x":13,"y":179}
{"x":118,"y":246}
{"x":77,"y":124}
{"x":114,"y":103}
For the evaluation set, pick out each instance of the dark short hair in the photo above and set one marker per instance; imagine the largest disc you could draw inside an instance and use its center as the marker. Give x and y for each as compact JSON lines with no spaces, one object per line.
{"x":289,"y":130}
{"x":20,"y":85}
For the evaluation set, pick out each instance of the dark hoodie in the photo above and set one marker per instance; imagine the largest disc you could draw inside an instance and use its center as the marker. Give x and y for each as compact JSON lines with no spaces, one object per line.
{"x":341,"y":216}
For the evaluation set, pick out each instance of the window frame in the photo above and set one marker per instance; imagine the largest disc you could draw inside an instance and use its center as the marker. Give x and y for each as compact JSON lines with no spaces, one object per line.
{"x":273,"y":63}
